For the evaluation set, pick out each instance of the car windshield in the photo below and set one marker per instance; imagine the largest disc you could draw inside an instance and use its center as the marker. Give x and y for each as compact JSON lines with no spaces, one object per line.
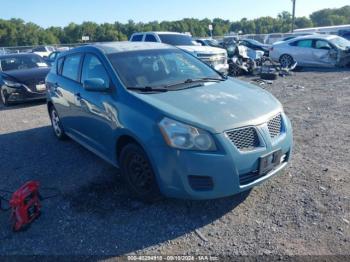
{"x":254,"y":42}
{"x":340,"y":42}
{"x":21,"y":62}
{"x":213,"y":42}
{"x":159,"y":67}
{"x":176,"y":39}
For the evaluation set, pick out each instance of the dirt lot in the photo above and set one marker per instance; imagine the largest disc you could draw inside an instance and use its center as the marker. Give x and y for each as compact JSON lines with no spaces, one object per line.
{"x":306,"y":211}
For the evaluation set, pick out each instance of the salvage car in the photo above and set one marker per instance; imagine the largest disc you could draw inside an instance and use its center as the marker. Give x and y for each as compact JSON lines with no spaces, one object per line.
{"x":312,"y":50}
{"x":256,"y":45}
{"x":171,"y":123}
{"x":214,"y":56}
{"x":22,"y":78}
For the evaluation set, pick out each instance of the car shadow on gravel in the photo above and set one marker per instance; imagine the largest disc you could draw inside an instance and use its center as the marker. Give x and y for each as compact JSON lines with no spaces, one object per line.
{"x":322,"y":69}
{"x":93,"y":208}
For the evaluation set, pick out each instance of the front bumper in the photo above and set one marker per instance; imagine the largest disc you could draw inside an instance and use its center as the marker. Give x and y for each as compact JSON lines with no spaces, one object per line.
{"x":219,"y":174}
{"x":21,"y":94}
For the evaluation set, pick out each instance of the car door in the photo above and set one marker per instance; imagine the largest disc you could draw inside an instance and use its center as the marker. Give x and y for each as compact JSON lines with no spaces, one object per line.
{"x":98,"y":115}
{"x":302,"y":52}
{"x":324,"y":53}
{"x":65,"y":88}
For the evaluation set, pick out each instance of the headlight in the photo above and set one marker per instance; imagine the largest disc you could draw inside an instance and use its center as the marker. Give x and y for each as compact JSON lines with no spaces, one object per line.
{"x":12,"y":83}
{"x":182,"y":136}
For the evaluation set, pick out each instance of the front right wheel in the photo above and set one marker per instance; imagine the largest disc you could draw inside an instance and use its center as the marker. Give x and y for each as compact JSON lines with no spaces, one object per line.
{"x":138,"y":173}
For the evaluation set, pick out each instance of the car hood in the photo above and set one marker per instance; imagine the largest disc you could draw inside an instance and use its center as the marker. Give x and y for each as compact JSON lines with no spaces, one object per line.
{"x":26,"y":75}
{"x":202,"y":49}
{"x":217,"y":107}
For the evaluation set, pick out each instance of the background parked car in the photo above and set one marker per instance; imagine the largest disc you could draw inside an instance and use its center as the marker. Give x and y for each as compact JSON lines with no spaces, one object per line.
{"x":43,"y":51}
{"x":312,"y":50}
{"x":22,"y":77}
{"x":215,"y":57}
{"x":52,"y":57}
{"x":209,"y":42}
{"x":256,"y":45}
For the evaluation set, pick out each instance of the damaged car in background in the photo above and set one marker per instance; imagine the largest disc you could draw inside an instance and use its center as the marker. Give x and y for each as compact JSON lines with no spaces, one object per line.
{"x":312,"y":51}
{"x":22,"y":78}
{"x":213,"y":56}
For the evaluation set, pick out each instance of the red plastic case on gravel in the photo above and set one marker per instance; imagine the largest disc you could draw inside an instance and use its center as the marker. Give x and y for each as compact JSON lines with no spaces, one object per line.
{"x":25,"y":205}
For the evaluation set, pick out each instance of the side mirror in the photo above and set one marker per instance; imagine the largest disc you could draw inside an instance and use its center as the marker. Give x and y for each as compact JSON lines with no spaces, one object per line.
{"x":95,"y":85}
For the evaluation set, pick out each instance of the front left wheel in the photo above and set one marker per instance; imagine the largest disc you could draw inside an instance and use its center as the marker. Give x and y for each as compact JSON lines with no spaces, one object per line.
{"x":138,"y":173}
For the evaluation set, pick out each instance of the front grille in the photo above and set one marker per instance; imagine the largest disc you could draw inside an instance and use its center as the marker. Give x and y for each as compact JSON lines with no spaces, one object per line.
{"x":201,"y":183}
{"x":245,"y":139}
{"x":31,"y":84}
{"x":275,"y":126}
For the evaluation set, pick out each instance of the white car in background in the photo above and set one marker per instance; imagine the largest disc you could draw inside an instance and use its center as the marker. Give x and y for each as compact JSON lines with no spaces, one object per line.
{"x":43,"y":51}
{"x":213,"y":56}
{"x":312,"y":51}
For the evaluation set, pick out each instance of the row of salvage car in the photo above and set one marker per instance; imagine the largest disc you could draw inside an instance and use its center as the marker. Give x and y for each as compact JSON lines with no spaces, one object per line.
{"x":22,"y":76}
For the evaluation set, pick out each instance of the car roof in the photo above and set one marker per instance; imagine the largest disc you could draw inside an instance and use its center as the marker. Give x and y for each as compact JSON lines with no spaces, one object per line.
{"x":17,"y":55}
{"x":119,"y":47}
{"x":161,"y":33}
{"x":316,"y":36}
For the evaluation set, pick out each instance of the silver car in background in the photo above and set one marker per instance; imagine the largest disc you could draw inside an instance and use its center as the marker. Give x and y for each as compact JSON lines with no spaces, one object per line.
{"x":313,"y":51}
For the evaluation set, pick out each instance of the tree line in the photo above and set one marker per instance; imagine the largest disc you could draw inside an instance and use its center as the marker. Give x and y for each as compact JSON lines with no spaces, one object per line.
{"x":16,"y":32}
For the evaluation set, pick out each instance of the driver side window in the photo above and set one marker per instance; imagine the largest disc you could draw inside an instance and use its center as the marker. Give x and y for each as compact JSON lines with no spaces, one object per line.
{"x":94,"y":69}
{"x":321,"y":44}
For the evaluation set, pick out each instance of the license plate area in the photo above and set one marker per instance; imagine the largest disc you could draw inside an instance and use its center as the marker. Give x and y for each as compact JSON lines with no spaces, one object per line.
{"x":269,"y":162}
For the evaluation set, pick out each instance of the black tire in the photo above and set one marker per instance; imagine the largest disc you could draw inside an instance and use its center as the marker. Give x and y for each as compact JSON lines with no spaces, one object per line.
{"x":234,"y":70}
{"x":4,"y":98}
{"x":286,"y":61}
{"x":138,"y":174}
{"x":56,"y":124}
{"x":268,"y":76}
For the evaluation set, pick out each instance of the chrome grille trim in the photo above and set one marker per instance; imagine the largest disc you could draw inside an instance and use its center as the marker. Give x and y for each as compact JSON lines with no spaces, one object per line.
{"x":275,"y":126}
{"x":245,"y":139}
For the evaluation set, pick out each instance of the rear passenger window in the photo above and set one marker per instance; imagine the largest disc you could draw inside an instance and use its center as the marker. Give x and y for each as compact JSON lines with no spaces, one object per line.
{"x":137,"y":38}
{"x":71,"y":67}
{"x":305,"y":43}
{"x":94,"y":69}
{"x":150,"y":38}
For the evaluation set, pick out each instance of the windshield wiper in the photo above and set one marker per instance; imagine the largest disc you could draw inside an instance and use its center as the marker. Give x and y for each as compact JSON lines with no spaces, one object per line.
{"x":148,"y":89}
{"x":191,"y":81}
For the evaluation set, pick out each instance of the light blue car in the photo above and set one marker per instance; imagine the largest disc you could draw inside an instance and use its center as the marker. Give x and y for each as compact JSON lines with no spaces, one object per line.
{"x":171,"y":123}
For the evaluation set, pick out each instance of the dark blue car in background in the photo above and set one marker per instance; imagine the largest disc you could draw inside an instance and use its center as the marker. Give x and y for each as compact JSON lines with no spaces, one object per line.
{"x":171,"y":123}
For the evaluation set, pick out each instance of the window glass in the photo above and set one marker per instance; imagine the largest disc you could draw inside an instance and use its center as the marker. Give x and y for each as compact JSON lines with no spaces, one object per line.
{"x":137,"y":38}
{"x":21,"y":62}
{"x":71,"y":67}
{"x":150,"y":38}
{"x":321,"y":44}
{"x":94,"y":69}
{"x":305,"y":43}
{"x":176,"y":39}
{"x":59,"y":65}
{"x":158,"y":67}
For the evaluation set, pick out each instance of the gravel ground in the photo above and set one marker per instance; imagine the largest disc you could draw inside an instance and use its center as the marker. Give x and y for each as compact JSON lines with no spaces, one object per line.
{"x":306,"y":211}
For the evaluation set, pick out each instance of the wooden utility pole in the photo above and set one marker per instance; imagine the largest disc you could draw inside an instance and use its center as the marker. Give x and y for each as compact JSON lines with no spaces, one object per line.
{"x":293,"y":18}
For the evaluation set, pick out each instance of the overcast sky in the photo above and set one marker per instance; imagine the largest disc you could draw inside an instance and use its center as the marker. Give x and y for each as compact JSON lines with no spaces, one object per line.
{"x":60,"y":13}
